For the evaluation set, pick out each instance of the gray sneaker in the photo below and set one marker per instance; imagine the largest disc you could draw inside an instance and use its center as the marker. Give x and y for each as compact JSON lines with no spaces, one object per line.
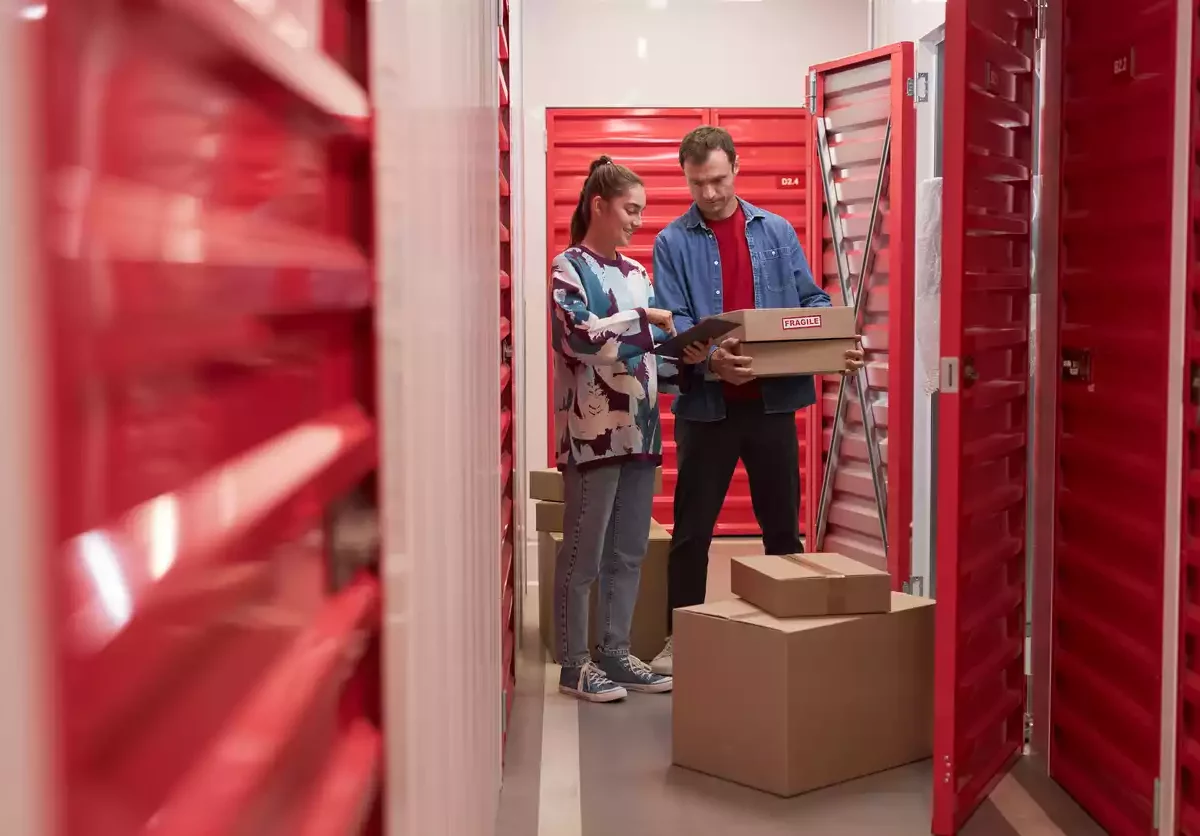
{"x":664,"y":662}
{"x":589,"y":683}
{"x":634,"y":674}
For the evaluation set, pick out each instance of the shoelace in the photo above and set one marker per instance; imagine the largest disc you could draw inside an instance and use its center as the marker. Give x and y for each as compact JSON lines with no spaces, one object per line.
{"x":593,"y":677}
{"x":639,"y":667}
{"x":669,"y":648}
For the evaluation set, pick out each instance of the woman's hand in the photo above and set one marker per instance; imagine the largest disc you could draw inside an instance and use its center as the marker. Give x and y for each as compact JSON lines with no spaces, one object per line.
{"x":661,"y":319}
{"x":696,"y":353}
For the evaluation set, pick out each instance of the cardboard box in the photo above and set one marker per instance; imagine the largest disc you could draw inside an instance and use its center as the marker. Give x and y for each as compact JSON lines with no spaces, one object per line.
{"x":547,"y":485}
{"x":649,"y":631}
{"x":791,"y":705}
{"x":791,"y":341}
{"x":810,"y":584}
{"x":548,"y":516}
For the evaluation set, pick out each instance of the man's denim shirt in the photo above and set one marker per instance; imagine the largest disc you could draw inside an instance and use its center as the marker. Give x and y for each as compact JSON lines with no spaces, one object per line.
{"x":687,"y":282}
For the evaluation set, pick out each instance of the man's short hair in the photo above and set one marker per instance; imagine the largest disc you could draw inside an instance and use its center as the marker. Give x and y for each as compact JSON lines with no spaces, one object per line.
{"x":701,"y":142}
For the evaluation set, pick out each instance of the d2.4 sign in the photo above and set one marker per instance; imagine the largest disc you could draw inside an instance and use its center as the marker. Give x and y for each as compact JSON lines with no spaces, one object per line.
{"x":792,"y":181}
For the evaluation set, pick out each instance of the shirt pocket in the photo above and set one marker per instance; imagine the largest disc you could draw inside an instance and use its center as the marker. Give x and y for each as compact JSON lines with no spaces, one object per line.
{"x":776,"y":264}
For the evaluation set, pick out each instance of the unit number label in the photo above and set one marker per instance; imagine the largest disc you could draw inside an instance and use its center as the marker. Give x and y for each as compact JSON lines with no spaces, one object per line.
{"x":1122,"y":66}
{"x":792,"y":323}
{"x":790,"y":182}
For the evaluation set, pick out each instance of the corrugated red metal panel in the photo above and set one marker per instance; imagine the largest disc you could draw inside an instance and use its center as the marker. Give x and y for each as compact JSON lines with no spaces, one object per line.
{"x":863,"y":101}
{"x":773,"y":144}
{"x":1110,"y":503}
{"x":208,"y":286}
{"x":508,"y":402}
{"x":983,"y":424}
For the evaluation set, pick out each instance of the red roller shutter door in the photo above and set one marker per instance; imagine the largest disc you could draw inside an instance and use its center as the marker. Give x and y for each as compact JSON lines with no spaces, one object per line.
{"x":982,"y":433}
{"x":773,"y":144}
{"x":1114,"y":229}
{"x":210,"y":393}
{"x":860,"y":493}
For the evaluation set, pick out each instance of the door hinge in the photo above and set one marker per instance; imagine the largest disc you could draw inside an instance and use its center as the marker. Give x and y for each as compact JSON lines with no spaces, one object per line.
{"x":1040,"y":30}
{"x":1157,"y":801}
{"x":1194,"y":380}
{"x":545,"y":141}
{"x":918,"y":88}
{"x":915,"y":586}
{"x":812,"y":92}
{"x":1028,"y":727}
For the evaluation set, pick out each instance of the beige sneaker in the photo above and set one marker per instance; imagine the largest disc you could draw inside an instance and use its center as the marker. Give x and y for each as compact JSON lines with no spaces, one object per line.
{"x":664,"y":662}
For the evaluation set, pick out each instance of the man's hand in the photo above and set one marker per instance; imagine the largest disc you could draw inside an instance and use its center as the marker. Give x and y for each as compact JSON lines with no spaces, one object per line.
{"x":696,"y":353}
{"x":727,"y":364}
{"x":662,"y":319}
{"x":854,"y":361}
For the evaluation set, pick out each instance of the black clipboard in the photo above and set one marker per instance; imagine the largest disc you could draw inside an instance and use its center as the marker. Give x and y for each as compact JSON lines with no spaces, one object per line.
{"x":709,"y":328}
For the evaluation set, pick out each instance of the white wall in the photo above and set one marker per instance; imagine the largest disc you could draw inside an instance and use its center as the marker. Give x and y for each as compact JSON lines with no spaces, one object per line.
{"x":907,"y":20}
{"x":653,"y":53}
{"x":435,"y":92}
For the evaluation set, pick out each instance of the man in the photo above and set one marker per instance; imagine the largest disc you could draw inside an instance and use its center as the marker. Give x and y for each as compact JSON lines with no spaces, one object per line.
{"x":725,"y":254}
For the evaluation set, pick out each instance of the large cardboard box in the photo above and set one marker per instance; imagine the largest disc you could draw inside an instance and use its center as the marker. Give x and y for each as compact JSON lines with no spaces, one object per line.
{"x":547,"y":485}
{"x":790,"y":341}
{"x":649,"y":631}
{"x":822,"y":583}
{"x":791,"y":705}
{"x":548,"y":516}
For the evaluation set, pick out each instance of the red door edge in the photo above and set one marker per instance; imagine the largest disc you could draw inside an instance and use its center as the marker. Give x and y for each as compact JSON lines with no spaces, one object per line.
{"x":902,"y":183}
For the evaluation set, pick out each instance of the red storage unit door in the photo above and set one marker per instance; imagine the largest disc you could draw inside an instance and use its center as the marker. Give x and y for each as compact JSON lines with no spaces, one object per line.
{"x":982,"y":433}
{"x":864,"y":107}
{"x":207,"y":294}
{"x":1115,"y":233}
{"x":773,"y":144}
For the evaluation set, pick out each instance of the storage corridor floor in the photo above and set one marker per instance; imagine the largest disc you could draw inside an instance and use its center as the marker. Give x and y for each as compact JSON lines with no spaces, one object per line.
{"x":596,"y":770}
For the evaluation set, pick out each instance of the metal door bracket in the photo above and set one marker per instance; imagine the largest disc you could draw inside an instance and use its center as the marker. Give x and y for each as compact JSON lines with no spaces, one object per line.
{"x":918,"y":88}
{"x":854,"y":296}
{"x":1157,"y":801}
{"x":1040,"y":30}
{"x":812,"y":91}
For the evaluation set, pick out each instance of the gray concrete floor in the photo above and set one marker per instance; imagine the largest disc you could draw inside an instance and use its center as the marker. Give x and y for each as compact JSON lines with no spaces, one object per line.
{"x":597,"y":770}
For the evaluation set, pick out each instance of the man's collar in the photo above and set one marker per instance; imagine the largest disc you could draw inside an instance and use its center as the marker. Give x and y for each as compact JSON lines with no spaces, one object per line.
{"x":695,"y":219}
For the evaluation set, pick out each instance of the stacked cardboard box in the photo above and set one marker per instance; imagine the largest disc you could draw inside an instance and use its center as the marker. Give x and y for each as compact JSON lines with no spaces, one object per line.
{"x":791,"y":341}
{"x":817,"y":674}
{"x":649,"y":631}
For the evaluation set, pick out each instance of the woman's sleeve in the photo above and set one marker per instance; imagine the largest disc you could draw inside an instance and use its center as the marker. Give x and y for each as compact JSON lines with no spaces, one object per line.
{"x":668,"y":367}
{"x":580,"y":334}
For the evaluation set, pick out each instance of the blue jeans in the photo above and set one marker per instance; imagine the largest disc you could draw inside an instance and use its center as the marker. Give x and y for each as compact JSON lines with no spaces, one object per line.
{"x":606,"y":529}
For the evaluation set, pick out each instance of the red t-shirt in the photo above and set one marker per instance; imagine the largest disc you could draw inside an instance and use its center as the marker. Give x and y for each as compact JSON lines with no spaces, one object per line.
{"x":737,"y":282}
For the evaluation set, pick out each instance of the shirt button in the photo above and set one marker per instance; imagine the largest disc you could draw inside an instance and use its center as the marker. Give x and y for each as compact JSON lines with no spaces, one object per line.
{"x":718,"y":293}
{"x":717,"y":263}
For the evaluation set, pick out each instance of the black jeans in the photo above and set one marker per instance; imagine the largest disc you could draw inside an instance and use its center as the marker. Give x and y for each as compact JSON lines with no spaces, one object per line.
{"x":708,"y":453}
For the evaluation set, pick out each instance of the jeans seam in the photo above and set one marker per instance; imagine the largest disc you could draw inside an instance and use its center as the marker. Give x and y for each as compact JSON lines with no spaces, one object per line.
{"x":612,"y":580}
{"x":565,"y":586}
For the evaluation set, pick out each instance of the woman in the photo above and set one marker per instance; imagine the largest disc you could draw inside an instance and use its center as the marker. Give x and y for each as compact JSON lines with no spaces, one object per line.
{"x":606,"y":387}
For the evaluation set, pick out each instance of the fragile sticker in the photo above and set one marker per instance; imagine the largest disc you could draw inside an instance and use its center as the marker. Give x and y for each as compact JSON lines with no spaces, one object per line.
{"x":793,"y":323}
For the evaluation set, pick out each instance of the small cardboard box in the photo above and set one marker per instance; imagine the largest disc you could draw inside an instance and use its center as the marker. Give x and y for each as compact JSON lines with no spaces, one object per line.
{"x":823,"y":583}
{"x":548,"y":516}
{"x":791,"y":705}
{"x":649,"y":631}
{"x":547,"y":485}
{"x":791,"y":341}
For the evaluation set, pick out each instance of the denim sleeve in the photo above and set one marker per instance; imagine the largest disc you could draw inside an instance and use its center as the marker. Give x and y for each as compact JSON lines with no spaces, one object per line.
{"x":581,"y":335}
{"x":669,"y":287}
{"x":811,"y":296}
